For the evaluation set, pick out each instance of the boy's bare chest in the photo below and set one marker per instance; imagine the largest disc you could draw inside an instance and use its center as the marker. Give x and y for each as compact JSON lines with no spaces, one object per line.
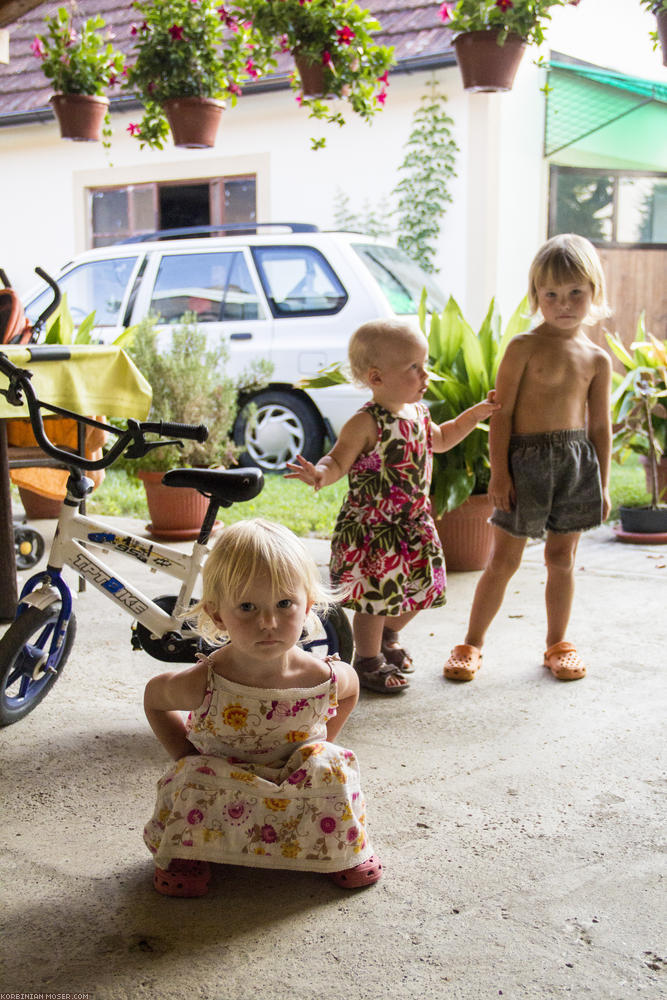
{"x":558,"y":369}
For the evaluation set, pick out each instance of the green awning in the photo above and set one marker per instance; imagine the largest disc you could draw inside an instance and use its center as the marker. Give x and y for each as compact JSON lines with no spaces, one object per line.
{"x":595,"y":116}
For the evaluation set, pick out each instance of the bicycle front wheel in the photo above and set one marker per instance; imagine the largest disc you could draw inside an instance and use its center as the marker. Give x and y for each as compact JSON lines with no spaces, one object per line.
{"x":30,"y":662}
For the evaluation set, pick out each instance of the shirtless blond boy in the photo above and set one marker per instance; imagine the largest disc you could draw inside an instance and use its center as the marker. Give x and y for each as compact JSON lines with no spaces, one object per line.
{"x":550,"y":446}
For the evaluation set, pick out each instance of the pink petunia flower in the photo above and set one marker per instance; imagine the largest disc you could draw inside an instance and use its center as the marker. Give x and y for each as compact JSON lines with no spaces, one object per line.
{"x":250,"y":69}
{"x":504,"y":5}
{"x":345,"y":35}
{"x":38,"y":48}
{"x":134,"y":129}
{"x":384,"y":78}
{"x":446,"y":11}
{"x":381,"y":97}
{"x":176,"y":32}
{"x":326,"y":58}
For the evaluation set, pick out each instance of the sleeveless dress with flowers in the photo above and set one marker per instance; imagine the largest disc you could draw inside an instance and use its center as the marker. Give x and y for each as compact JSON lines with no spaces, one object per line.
{"x":385,"y":550}
{"x":267,"y":790}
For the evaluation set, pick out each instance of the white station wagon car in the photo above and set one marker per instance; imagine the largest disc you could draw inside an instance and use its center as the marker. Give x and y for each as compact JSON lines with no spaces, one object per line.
{"x":293,"y":299}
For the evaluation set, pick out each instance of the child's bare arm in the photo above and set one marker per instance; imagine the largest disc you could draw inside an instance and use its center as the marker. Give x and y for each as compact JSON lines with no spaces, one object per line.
{"x":510,"y":373}
{"x":599,"y":424}
{"x":165,"y":697}
{"x":356,"y":436}
{"x":446,"y":435}
{"x":348,"y":695}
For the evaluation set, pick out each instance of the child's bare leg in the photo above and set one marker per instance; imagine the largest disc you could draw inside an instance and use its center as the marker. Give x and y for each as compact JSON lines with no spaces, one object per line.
{"x":503,"y":563}
{"x":559,"y":555}
{"x":391,"y":644}
{"x":367,"y":631}
{"x":465,"y":660}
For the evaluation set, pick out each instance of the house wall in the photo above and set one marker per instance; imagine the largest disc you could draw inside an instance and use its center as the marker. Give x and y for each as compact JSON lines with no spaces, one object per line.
{"x":45,"y":217}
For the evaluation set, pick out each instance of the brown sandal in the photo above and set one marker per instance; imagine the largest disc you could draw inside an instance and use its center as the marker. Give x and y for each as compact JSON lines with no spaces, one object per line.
{"x":374,"y":672}
{"x":397,"y":655}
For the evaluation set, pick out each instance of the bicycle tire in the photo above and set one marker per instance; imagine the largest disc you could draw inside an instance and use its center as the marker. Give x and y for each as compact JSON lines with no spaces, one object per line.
{"x":20,"y":692}
{"x":337,"y":636}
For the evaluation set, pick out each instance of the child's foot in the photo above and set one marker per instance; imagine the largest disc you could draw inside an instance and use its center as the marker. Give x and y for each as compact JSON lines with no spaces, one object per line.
{"x":394,"y":653}
{"x":366,"y":873}
{"x":183,"y":877}
{"x":378,"y":675}
{"x":564,"y":662}
{"x":463,"y":663}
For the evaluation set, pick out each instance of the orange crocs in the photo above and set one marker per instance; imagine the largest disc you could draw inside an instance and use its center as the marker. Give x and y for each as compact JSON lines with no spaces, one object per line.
{"x":463,"y":663}
{"x":564,"y":662}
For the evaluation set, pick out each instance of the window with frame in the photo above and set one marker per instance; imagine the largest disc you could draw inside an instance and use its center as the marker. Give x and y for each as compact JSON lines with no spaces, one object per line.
{"x":609,"y":207}
{"x":119,"y":212}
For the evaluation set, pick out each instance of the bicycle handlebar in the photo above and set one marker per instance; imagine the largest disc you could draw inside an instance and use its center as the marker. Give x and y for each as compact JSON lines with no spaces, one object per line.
{"x":130,"y":440}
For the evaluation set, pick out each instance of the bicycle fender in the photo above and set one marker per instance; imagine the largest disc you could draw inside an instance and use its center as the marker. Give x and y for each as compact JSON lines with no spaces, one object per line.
{"x":42,"y":598}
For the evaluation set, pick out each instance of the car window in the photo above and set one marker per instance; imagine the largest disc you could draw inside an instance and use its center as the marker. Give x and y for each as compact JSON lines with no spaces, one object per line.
{"x":400,"y":278}
{"x":298,"y":281}
{"x":213,"y":286}
{"x":97,"y":285}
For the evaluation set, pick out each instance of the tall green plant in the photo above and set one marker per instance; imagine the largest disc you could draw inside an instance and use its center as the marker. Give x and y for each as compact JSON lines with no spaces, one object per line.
{"x":423,"y":192}
{"x":465,"y":365}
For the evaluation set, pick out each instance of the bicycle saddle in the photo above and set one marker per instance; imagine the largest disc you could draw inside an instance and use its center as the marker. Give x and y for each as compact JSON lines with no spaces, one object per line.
{"x":227,"y":486}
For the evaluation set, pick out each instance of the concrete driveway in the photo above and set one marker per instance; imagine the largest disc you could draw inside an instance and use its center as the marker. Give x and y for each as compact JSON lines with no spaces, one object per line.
{"x":520,"y":821}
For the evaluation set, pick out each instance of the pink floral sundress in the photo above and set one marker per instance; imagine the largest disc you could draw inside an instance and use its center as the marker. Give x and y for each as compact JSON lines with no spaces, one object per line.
{"x":267,"y":790}
{"x":385,"y":550}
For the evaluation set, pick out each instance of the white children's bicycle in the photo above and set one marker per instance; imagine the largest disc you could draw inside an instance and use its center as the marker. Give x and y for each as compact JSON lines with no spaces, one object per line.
{"x":36,"y":646}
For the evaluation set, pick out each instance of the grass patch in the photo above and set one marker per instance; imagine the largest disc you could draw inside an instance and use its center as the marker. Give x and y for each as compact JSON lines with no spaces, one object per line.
{"x":295,"y":505}
{"x":284,"y":500}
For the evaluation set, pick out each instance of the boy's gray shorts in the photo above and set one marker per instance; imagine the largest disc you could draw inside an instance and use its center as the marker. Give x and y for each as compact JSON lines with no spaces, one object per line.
{"x":557,"y":482}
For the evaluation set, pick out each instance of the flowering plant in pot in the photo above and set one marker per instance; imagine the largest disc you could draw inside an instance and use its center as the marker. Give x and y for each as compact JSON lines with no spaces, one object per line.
{"x":81,"y":64}
{"x":333,"y":45}
{"x":494,"y":34}
{"x":639,"y":415}
{"x":188,"y":55}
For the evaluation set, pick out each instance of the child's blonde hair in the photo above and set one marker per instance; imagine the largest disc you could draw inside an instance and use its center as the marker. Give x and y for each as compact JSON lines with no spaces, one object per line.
{"x":244,"y":550}
{"x":369,"y":345}
{"x":566,"y":258}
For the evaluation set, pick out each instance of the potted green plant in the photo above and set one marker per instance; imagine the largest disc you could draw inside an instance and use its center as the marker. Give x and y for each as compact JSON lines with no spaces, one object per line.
{"x":82,"y":64}
{"x":639,"y":417}
{"x":334,"y":50}
{"x":659,"y":36}
{"x":463,"y":367}
{"x":188,"y":58}
{"x":190,"y":386}
{"x":491,"y":35}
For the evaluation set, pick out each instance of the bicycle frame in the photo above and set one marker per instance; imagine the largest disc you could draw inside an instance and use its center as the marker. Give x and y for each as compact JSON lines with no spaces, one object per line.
{"x":67,"y":549}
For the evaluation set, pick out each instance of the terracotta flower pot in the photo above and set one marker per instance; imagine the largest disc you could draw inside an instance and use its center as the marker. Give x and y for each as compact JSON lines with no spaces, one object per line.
{"x":311,"y":75}
{"x":194,"y":121}
{"x":176,"y":514}
{"x":37,"y":506}
{"x":486,"y":66}
{"x":466,"y":535}
{"x":80,"y":116}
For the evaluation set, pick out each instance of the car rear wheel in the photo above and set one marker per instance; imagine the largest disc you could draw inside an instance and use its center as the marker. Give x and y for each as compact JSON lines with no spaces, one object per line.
{"x":274,"y":427}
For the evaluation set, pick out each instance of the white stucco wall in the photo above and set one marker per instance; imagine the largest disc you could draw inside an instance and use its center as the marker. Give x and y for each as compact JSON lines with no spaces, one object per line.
{"x":490,"y":232}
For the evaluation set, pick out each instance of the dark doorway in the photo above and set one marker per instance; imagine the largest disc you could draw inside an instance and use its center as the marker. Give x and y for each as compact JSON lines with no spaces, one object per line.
{"x":184,"y":205}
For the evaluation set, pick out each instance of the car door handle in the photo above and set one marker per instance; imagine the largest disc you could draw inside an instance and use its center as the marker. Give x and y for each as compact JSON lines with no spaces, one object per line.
{"x":240,"y":336}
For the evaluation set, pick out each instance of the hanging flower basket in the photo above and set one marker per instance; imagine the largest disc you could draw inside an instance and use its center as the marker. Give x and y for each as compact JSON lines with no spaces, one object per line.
{"x":194,"y":121}
{"x":311,"y":75}
{"x":80,"y":116}
{"x":485,"y":65}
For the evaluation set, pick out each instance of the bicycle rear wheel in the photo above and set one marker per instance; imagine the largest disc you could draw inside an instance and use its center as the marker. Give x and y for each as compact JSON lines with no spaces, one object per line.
{"x":30,"y":661}
{"x":336,"y":636}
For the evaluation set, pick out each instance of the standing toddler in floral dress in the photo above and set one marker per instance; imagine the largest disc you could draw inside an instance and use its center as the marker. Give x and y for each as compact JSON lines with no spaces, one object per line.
{"x":257,"y":779}
{"x":385,"y":550}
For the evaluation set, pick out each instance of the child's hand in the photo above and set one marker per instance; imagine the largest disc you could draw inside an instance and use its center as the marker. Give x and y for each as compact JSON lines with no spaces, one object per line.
{"x":308,"y":473}
{"x":501,"y":491}
{"x":487,"y":406}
